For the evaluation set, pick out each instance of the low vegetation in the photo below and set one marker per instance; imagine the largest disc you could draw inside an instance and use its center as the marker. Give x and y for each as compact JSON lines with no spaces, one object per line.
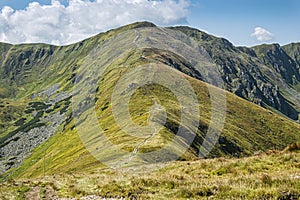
{"x":271,"y":175}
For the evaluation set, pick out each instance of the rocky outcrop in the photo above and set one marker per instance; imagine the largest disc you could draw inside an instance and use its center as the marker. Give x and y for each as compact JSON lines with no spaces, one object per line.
{"x":265,"y":75}
{"x":18,"y":147}
{"x":47,"y":116}
{"x":274,"y":56}
{"x":293,"y":50}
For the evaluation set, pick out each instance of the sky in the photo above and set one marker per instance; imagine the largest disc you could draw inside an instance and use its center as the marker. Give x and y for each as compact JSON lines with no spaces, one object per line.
{"x":60,"y":22}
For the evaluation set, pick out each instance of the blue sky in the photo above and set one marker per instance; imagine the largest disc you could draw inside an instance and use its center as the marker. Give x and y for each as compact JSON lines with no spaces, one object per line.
{"x":243,"y":22}
{"x":236,"y":19}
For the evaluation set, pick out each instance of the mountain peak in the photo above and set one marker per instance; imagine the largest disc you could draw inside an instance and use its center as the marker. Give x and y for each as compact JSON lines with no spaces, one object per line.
{"x":143,"y":24}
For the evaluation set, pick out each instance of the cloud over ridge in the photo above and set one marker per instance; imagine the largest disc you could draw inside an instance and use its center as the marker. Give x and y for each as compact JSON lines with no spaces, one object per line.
{"x":262,"y":34}
{"x":60,"y":25}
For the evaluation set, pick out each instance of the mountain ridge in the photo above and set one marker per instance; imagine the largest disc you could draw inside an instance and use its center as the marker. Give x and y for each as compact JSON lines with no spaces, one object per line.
{"x":237,"y":67}
{"x":42,"y":78}
{"x":259,"y":93}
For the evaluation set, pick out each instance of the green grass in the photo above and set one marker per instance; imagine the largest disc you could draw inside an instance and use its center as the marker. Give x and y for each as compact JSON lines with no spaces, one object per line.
{"x":11,"y":111}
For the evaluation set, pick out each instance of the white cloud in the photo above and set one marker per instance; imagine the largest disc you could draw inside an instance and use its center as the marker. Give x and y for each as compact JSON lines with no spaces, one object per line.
{"x":262,"y":34}
{"x":59,"y":24}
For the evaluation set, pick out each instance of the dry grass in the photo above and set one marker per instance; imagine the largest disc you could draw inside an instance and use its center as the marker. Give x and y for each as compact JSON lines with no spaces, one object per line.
{"x":265,"y":176}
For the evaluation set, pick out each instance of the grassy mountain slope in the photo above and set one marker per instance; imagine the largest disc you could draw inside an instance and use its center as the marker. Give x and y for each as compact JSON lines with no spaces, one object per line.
{"x":248,"y":127}
{"x":39,"y":112}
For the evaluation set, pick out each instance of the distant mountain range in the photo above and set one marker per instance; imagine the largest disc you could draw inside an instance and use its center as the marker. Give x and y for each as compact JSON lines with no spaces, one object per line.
{"x":37,"y":117}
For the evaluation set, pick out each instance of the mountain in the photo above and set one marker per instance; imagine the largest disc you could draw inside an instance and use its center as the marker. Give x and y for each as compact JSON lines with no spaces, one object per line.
{"x":293,"y":50}
{"x":265,"y":75}
{"x":53,"y":99}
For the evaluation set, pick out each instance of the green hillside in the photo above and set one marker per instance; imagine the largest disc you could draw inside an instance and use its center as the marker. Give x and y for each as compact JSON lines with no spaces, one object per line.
{"x":62,"y":112}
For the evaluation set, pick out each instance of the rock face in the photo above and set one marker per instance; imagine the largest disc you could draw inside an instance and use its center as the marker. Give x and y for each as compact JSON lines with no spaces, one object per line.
{"x":276,"y":58}
{"x":293,"y":50}
{"x":267,"y":75}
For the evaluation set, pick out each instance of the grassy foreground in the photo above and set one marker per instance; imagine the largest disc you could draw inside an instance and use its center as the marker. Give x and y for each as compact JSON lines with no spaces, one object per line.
{"x":273,"y":175}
